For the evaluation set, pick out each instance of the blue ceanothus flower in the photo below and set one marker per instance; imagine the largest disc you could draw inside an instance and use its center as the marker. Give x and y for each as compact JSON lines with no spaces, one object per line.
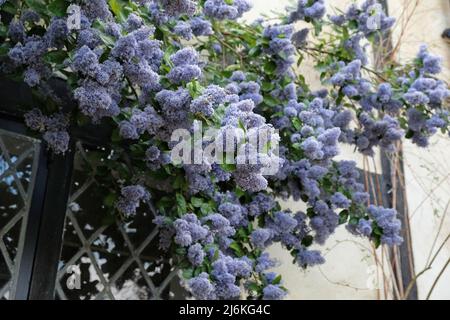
{"x":281,"y":47}
{"x":369,"y":17}
{"x":273,"y":292}
{"x":202,"y":288}
{"x":221,"y":9}
{"x":179,"y":7}
{"x":226,"y":216}
{"x":28,"y":51}
{"x":306,"y":10}
{"x":131,"y":199}
{"x":196,"y":254}
{"x":96,"y":9}
{"x":186,"y":66}
{"x":246,"y":90}
{"x":211,"y":98}
{"x":183,"y":29}
{"x":54,"y":128}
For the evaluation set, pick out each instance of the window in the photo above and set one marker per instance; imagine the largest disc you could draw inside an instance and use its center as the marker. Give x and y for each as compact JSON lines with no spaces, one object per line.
{"x":104,"y":257}
{"x":19,"y":156}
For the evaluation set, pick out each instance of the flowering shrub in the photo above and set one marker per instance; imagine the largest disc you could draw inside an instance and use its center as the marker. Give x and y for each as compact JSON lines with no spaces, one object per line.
{"x":149,"y":68}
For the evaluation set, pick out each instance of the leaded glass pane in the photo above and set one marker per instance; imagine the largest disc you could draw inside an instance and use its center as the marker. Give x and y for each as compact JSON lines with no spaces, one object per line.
{"x":104,"y":257}
{"x":19,"y":156}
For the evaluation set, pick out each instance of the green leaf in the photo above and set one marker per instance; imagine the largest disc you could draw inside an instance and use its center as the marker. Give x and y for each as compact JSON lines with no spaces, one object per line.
{"x":340,"y":97}
{"x":4,"y":49}
{"x":241,"y":124}
{"x":270,"y":67}
{"x":58,"y":7}
{"x":37,"y":5}
{"x":270,"y":101}
{"x":296,"y":123}
{"x":310,"y":213}
{"x":206,"y":208}
{"x":277,"y":280}
{"x":228,"y":167}
{"x":115,"y":137}
{"x":9,"y":8}
{"x":110,"y":200}
{"x":239,"y":192}
{"x":196,"y":202}
{"x":242,"y":233}
{"x":377,"y":241}
{"x":297,"y":146}
{"x":109,"y":41}
{"x":188,"y":273}
{"x":216,"y":255}
{"x":108,"y":220}
{"x":255,"y":51}
{"x":57,"y":57}
{"x":409,"y":134}
{"x":117,"y":7}
{"x":343,"y":217}
{"x":237,"y":249}
{"x":233,"y":67}
{"x":181,"y":203}
{"x":353,"y":24}
{"x":253,"y":287}
{"x":317,"y":27}
{"x":307,"y":241}
{"x":377,"y":231}
{"x":267,"y":86}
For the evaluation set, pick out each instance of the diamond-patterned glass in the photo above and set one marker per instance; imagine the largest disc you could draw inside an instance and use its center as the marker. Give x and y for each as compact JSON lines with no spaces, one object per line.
{"x":19,"y":156}
{"x":104,"y":258}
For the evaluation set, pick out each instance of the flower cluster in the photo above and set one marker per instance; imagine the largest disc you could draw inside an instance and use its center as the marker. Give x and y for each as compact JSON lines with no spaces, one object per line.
{"x":384,"y":132}
{"x":185,"y":66}
{"x":348,"y":77}
{"x":141,"y":121}
{"x":222,"y":282}
{"x":130,"y":68}
{"x":197,"y":26}
{"x":280,"y":46}
{"x":308,"y":10}
{"x":387,"y":221}
{"x":176,"y":8}
{"x":421,"y":91}
{"x":369,"y":17}
{"x":189,"y":230}
{"x":211,"y":98}
{"x":250,"y":160}
{"x":415,"y":91}
{"x":131,"y":198}
{"x":29,"y":50}
{"x":221,"y":9}
{"x":54,"y":128}
{"x":246,"y":90}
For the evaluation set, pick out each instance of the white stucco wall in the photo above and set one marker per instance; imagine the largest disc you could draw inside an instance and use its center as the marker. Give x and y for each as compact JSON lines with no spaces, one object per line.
{"x":349,"y":259}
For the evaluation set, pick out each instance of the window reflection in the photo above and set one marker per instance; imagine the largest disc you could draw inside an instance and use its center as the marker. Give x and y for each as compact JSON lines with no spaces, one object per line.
{"x":18,"y":166}
{"x":105,"y":258}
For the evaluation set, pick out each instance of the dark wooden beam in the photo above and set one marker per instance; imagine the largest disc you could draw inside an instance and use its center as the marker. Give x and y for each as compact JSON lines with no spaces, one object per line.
{"x":393,"y":175}
{"x":51,"y":227}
